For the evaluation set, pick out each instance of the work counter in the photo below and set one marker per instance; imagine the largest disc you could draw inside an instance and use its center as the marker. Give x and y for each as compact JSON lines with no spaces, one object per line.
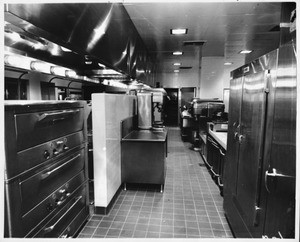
{"x":220,"y":137}
{"x":143,"y":155}
{"x":146,"y":136}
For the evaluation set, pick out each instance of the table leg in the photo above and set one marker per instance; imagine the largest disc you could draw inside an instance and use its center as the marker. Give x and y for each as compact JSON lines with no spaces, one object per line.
{"x":124,"y":186}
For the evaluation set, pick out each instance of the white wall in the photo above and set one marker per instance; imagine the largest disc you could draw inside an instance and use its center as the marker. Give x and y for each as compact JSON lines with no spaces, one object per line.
{"x":211,"y":84}
{"x":185,"y":78}
{"x":214,"y":77}
{"x":107,"y":112}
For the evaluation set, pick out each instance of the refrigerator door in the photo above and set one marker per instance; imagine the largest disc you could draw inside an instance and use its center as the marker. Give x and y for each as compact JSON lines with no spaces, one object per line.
{"x":280,"y":170}
{"x":231,"y":160}
{"x":233,"y":131}
{"x":243,"y":200}
{"x":250,"y":140}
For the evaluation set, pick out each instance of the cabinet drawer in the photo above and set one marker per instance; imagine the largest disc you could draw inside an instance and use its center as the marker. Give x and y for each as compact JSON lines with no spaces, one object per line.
{"x":40,"y":185}
{"x":46,"y":125}
{"x":63,"y":218}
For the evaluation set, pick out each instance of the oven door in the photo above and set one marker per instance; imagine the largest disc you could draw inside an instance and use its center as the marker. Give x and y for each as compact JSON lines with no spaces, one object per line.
{"x":37,"y":187}
{"x":46,"y":125}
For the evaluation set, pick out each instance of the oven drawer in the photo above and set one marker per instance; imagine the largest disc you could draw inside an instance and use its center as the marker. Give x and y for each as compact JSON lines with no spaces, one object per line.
{"x":40,"y":127}
{"x":73,"y":228}
{"x":51,"y":204}
{"x":44,"y":153}
{"x":40,"y":185}
{"x":63,"y":218}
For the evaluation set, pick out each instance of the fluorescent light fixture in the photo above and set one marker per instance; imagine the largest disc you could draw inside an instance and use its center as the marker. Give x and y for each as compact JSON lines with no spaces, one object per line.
{"x":65,"y":49}
{"x":177,"y":64}
{"x":109,"y":72}
{"x":178,"y":31}
{"x":71,"y":74}
{"x":114,"y":83}
{"x":177,"y":53}
{"x":58,"y":71}
{"x":18,"y":61}
{"x":101,"y":65}
{"x":245,"y":51}
{"x":85,"y":78}
{"x":88,"y":62}
{"x":176,"y":71}
{"x":40,"y":66}
{"x":228,"y":63}
{"x":54,"y":50}
{"x":15,"y":37}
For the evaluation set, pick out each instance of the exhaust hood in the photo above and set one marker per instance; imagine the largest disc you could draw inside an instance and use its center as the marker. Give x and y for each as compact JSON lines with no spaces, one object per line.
{"x":94,"y":34}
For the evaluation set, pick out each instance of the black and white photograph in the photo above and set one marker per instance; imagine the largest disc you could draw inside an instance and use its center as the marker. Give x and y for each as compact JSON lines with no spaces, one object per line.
{"x":146,"y":120}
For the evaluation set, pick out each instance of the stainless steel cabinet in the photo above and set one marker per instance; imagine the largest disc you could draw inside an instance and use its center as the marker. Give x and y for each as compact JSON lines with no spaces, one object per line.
{"x":259,"y":172}
{"x":143,"y":159}
{"x":215,"y":160}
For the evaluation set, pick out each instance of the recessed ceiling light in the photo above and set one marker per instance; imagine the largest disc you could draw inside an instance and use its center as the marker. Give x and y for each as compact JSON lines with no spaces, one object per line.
{"x":178,"y":31}
{"x":228,"y":63}
{"x":176,"y":71}
{"x":177,"y":53}
{"x":245,"y":51}
{"x":177,"y":64}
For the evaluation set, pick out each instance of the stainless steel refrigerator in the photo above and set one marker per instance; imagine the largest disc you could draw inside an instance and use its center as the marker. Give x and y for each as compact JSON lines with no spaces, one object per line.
{"x":260,"y":166}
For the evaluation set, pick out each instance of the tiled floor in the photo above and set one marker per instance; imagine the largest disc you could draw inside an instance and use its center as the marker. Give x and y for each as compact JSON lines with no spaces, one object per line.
{"x":189,"y":207}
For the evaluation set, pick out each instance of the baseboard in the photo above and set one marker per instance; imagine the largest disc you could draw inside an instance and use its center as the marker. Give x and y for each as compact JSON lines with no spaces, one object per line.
{"x":106,"y":210}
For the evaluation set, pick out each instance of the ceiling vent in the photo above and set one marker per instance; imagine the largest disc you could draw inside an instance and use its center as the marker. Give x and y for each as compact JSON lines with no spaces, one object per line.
{"x":185,"y":67}
{"x":194,"y":42}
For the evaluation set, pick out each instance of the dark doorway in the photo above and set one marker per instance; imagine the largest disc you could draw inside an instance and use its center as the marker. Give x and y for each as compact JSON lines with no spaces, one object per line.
{"x":187,"y":94}
{"x":172,"y":111}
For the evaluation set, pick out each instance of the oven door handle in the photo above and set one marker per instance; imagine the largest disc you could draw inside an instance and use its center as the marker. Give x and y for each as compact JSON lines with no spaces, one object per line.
{"x":48,"y":173}
{"x":55,"y":116}
{"x":52,"y":227}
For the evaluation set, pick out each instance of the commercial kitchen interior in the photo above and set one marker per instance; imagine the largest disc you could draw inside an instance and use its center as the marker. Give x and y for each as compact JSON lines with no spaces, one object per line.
{"x":150,"y":120}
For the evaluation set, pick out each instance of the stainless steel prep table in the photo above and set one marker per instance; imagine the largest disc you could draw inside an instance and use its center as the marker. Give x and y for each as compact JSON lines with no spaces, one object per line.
{"x":143,"y":156}
{"x":220,"y":137}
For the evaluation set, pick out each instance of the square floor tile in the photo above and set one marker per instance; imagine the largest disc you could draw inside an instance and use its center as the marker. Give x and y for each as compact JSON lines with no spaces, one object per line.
{"x":189,"y":207}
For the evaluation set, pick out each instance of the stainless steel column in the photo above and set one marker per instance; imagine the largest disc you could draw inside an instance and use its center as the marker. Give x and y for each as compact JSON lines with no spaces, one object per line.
{"x":145,"y":113}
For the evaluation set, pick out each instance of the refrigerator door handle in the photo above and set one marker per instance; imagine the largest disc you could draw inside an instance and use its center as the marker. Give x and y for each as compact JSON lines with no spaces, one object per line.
{"x":241,"y":138}
{"x":236,"y":135}
{"x":237,"y":131}
{"x":274,"y":174}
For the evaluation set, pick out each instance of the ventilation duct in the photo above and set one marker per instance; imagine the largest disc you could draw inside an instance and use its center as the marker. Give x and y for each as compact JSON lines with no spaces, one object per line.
{"x":198,"y":49}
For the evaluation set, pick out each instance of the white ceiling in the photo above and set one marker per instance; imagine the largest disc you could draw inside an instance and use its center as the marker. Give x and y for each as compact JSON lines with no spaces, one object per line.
{"x":227,"y":28}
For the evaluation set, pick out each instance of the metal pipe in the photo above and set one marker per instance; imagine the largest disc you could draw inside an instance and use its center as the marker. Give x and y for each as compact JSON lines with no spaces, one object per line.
{"x":55,"y":78}
{"x":19,"y":85}
{"x":199,"y":56}
{"x":70,"y":84}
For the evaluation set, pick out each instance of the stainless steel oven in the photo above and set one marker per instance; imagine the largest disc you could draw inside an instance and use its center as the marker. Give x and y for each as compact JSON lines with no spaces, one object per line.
{"x":46,"y":168}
